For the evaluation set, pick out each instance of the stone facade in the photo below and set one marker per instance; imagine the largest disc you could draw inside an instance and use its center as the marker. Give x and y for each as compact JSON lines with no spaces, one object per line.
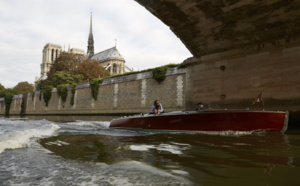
{"x":133,"y":93}
{"x":50,"y":53}
{"x":111,"y":60}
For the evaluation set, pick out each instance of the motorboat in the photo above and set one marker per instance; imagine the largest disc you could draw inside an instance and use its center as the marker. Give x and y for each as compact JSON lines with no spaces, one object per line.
{"x":206,"y":120}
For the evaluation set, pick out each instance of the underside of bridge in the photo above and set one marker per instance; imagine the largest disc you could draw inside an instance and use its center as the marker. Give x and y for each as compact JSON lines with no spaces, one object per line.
{"x":210,"y":26}
{"x":240,"y":48}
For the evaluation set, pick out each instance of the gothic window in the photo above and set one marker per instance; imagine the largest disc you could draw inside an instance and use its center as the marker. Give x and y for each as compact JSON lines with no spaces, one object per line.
{"x":114,"y":68}
{"x":109,"y":70}
{"x":52,"y":54}
{"x":56,"y":54}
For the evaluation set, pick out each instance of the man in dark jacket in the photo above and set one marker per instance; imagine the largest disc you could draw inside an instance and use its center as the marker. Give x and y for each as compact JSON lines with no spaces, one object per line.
{"x":200,"y":107}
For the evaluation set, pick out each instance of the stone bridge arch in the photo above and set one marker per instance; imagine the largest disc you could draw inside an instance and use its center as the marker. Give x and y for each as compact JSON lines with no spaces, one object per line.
{"x":210,"y":26}
{"x":240,"y":47}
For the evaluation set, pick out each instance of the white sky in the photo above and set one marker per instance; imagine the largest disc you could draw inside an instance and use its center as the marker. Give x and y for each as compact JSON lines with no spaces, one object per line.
{"x":27,"y":25}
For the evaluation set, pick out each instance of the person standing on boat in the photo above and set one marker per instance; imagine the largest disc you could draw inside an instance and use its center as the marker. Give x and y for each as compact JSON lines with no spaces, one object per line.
{"x":156,"y":108}
{"x":200,"y":107}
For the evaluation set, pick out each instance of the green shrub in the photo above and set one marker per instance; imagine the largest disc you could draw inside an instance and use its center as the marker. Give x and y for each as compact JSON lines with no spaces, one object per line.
{"x":95,"y":87}
{"x":62,"y":91}
{"x":47,"y":94}
{"x":159,"y":73}
{"x":22,"y":112}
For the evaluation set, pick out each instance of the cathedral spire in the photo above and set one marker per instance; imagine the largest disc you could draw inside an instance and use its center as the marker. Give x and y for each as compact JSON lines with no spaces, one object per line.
{"x":90,"y":47}
{"x":91,"y":28}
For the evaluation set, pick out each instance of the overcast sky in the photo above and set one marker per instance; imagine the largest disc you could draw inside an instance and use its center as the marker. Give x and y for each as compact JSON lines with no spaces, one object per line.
{"x":26,"y":26}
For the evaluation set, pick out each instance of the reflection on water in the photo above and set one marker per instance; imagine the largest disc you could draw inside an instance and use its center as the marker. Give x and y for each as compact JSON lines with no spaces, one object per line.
{"x":198,"y":156}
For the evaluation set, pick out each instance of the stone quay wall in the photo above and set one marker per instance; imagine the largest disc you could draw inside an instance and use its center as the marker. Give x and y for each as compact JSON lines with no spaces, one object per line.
{"x":133,"y":93}
{"x":234,"y":78}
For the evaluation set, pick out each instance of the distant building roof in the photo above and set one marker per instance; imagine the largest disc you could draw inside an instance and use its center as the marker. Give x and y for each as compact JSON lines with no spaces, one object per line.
{"x":52,"y":45}
{"x":111,"y":53}
{"x":77,"y":51}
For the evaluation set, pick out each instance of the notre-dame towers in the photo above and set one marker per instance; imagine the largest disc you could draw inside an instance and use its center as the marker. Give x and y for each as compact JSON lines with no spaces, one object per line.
{"x":50,"y":53}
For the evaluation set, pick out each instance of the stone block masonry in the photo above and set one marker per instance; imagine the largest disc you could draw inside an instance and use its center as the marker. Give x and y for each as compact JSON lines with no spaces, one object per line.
{"x":133,"y":93}
{"x":236,"y":77}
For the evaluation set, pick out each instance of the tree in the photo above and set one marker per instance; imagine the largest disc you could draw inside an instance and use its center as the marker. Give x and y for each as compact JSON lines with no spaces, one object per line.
{"x":24,"y":87}
{"x":8,"y":92}
{"x":75,"y":64}
{"x":42,"y":83}
{"x":91,"y":69}
{"x":1,"y":87}
{"x":60,"y":78}
{"x":67,"y":62}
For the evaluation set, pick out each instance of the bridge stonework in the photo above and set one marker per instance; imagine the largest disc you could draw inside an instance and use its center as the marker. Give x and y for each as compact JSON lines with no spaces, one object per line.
{"x":232,"y":79}
{"x":239,"y":47}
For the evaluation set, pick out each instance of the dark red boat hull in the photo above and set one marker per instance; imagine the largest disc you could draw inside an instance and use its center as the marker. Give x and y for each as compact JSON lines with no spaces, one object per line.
{"x":207,"y":121}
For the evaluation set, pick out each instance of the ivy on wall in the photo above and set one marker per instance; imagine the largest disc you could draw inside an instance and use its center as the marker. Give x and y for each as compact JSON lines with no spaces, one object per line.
{"x":8,"y":100}
{"x":62,"y":91}
{"x":47,"y":94}
{"x":22,"y":112}
{"x":73,"y":86}
{"x":95,"y":87}
{"x":159,"y":74}
{"x":8,"y":95}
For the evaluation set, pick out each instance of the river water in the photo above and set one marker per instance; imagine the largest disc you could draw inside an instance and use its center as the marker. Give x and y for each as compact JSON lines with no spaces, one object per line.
{"x":81,"y":150}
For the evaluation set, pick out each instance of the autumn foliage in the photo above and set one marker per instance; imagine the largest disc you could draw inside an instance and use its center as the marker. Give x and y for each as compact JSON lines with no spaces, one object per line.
{"x":66,"y":62}
{"x":91,"y":69}
{"x":76,"y":64}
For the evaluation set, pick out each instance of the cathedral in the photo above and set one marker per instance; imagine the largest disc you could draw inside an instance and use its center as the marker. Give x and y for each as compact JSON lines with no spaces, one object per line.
{"x":50,"y":53}
{"x":110,"y":59}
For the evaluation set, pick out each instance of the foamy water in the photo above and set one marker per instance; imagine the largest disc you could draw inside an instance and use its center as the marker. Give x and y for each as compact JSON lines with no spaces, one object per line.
{"x":19,"y":134}
{"x":174,"y":149}
{"x":89,"y":124}
{"x":25,"y":162}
